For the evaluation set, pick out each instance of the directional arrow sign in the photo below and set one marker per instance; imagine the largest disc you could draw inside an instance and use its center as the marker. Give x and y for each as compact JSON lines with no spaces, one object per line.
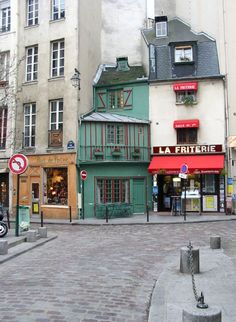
{"x":18,"y":163}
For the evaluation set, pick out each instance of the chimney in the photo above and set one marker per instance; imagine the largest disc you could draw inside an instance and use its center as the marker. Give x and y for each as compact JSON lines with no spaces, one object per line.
{"x":122,"y":64}
{"x":161,"y":26}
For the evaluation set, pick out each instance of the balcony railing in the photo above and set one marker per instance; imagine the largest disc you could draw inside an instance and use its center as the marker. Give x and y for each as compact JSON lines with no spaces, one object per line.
{"x":114,"y":153}
{"x":55,"y":138}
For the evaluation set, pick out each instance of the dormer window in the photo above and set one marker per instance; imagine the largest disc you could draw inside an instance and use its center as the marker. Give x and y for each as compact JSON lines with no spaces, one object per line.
{"x":183,"y":54}
{"x":161,"y":26}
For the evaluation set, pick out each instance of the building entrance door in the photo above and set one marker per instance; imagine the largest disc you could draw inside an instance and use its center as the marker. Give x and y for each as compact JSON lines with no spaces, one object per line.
{"x":35,"y":195}
{"x":139,"y":195}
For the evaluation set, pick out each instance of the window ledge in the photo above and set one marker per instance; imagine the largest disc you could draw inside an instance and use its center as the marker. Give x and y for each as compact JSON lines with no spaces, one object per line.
{"x":54,"y":206}
{"x":53,"y":149}
{"x":56,"y":78}
{"x":56,"y":20}
{"x":32,"y":26}
{"x":30,"y":83}
{"x":184,"y":63}
{"x":194,"y":103}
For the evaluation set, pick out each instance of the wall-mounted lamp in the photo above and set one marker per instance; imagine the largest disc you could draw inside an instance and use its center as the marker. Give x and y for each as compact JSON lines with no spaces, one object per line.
{"x":75,"y":79}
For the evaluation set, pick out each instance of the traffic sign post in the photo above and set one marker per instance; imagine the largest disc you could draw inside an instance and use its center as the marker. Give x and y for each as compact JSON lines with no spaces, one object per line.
{"x":83,"y":176}
{"x":18,"y":164}
{"x":183,"y":175}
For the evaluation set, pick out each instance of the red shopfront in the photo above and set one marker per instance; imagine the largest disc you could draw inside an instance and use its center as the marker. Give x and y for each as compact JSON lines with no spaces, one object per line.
{"x":205,"y":179}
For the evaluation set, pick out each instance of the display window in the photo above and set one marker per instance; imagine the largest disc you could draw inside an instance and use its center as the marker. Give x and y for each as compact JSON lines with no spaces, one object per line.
{"x":56,"y":186}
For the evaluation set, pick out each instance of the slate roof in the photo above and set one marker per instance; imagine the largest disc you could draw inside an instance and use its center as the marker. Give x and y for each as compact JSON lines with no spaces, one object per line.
{"x":207,"y":64}
{"x":110,"y":117}
{"x":111,"y":76}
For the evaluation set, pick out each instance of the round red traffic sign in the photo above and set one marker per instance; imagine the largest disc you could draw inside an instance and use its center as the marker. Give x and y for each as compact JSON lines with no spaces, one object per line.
{"x":83,"y":174}
{"x":18,"y":163}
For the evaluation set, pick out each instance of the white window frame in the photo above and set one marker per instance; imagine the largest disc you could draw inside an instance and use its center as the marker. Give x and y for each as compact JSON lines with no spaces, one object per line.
{"x":161,"y":29}
{"x":4,"y":66}
{"x":6,"y":18}
{"x":3,"y":127}
{"x":32,"y":12}
{"x":30,"y":124}
{"x":183,"y":54}
{"x":58,"y":9}
{"x":57,"y":58}
{"x":115,"y":134}
{"x":56,"y":108}
{"x":31,"y":72}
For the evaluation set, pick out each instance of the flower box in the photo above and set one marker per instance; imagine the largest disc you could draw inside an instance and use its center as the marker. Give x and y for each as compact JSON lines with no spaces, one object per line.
{"x":135,"y":154}
{"x":98,"y":153}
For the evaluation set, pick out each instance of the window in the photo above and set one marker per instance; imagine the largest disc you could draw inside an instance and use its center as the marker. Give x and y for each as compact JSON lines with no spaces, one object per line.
{"x":29,"y":124}
{"x":57,"y":58}
{"x":115,"y":134}
{"x":5,"y":19}
{"x":32,"y":12}
{"x":208,"y":183}
{"x":110,"y":190}
{"x":32,"y":63}
{"x":116,"y":99}
{"x":58,"y":9}
{"x":3,"y":127}
{"x":186,"y":135}
{"x":56,"y":186}
{"x":56,"y":115}
{"x":186,"y":97}
{"x":183,"y":54}
{"x":4,"y":66}
{"x":161,"y":29}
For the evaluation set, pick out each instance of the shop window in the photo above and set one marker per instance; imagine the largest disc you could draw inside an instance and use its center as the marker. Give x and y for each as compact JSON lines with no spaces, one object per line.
{"x":56,"y":186}
{"x":208,"y":183}
{"x":185,"y":135}
{"x":112,"y":190}
{"x":186,"y":97}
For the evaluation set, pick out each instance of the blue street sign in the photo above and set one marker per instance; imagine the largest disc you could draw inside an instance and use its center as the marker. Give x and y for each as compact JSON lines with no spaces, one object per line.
{"x":184,"y":168}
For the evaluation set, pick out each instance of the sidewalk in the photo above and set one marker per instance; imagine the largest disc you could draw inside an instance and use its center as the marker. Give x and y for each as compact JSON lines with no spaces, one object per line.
{"x":173,"y":291}
{"x":154,"y":218}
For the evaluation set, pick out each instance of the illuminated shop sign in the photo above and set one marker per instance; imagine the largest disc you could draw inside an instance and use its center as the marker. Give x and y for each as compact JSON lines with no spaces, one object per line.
{"x":187,"y":149}
{"x":185,"y":86}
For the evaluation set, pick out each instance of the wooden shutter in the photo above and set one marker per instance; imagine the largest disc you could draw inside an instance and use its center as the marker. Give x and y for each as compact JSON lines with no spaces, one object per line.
{"x":102,"y":100}
{"x":128,"y":97}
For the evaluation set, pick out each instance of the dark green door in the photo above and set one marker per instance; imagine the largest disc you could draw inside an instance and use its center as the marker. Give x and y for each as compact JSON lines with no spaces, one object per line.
{"x":139,"y":195}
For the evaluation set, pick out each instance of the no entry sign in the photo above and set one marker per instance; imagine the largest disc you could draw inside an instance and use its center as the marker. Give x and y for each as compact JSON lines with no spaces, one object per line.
{"x":18,"y":163}
{"x":83,"y":174}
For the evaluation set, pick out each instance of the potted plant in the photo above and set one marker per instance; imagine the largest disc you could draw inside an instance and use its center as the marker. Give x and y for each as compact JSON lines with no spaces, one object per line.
{"x":116,"y":151}
{"x":136,"y":152}
{"x":189,"y":100}
{"x":98,"y":152}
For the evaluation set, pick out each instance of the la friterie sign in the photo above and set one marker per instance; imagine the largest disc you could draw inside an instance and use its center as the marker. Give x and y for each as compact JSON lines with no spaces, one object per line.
{"x":187,"y":149}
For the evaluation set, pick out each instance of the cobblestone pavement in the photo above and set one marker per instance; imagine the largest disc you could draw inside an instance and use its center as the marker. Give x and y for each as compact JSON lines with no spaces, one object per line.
{"x":96,"y":273}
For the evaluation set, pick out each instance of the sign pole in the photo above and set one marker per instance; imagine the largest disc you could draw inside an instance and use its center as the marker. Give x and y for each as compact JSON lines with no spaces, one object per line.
{"x":83,"y":199}
{"x":17,"y":205}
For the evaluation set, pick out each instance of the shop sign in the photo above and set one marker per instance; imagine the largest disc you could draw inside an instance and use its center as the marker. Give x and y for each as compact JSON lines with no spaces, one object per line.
{"x":185,"y":86}
{"x":187,"y":149}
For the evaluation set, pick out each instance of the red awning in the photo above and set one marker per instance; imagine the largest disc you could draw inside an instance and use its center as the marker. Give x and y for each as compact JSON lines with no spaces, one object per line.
{"x":195,"y":163}
{"x":185,"y":86}
{"x":180,"y":124}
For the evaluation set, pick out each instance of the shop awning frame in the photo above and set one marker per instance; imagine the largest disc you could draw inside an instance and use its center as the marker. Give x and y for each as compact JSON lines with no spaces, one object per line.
{"x":196,"y":164}
{"x":183,"y":124}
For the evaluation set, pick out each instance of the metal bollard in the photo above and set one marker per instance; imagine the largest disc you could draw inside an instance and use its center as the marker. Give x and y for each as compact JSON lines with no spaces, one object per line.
{"x":3,"y":247}
{"x":215,"y":242}
{"x":211,"y":314}
{"x":42,"y":231}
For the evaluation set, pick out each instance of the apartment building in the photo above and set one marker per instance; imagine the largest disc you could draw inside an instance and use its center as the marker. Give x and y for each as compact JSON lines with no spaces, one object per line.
{"x":56,"y":40}
{"x":8,"y":65}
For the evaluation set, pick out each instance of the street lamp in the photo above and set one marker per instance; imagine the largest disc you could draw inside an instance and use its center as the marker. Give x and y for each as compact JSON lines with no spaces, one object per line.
{"x":75,"y":79}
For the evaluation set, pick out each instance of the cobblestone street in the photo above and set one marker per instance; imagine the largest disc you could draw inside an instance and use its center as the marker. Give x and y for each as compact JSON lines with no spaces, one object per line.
{"x":97,"y":273}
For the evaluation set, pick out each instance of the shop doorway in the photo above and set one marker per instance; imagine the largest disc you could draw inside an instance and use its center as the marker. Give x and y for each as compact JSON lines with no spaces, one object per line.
{"x":4,"y":190}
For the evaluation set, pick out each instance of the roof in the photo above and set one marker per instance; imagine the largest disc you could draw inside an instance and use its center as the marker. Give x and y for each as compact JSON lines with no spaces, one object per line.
{"x":112,"y":76}
{"x":110,"y":117}
{"x":207,"y":64}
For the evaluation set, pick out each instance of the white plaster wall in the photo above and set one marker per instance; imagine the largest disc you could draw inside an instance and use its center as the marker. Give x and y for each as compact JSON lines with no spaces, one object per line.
{"x":209,"y":110}
{"x":121,"y":25}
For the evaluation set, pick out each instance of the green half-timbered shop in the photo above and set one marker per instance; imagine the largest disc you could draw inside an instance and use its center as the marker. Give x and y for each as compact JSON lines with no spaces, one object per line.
{"x":115,"y":144}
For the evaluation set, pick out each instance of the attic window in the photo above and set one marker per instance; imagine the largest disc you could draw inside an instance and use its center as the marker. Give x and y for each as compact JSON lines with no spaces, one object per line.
{"x":183,"y":54}
{"x":122,"y":64}
{"x":161,"y":29}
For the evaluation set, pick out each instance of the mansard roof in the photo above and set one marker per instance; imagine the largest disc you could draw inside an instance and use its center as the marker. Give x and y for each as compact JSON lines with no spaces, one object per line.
{"x":206,"y":64}
{"x":111,"y":117}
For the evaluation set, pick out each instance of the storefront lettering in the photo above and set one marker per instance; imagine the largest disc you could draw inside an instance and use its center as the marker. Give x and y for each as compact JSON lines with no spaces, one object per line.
{"x":187,"y":149}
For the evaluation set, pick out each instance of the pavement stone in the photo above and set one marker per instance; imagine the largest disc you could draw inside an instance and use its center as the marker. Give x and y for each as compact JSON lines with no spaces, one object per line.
{"x":112,"y":273}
